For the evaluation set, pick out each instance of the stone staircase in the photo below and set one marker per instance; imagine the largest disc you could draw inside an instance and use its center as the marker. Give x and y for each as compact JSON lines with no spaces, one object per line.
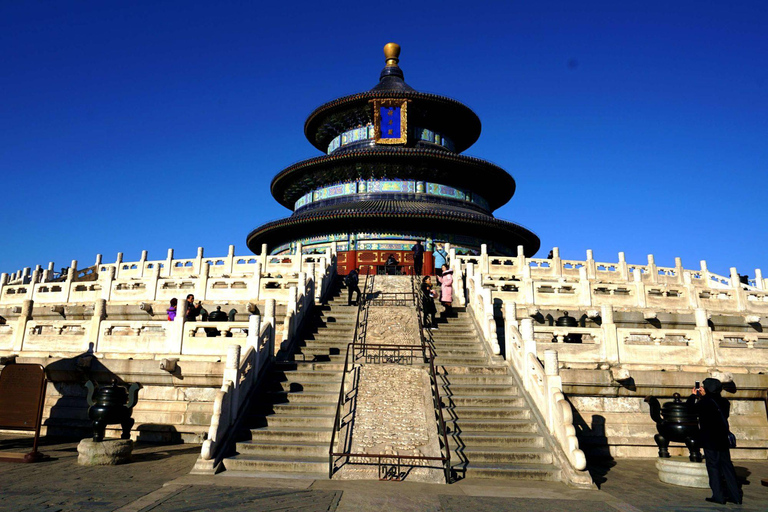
{"x":491,"y":428}
{"x":289,"y":426}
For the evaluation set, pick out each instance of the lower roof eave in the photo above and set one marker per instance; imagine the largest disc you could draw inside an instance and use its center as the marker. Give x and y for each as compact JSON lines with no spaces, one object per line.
{"x":491,"y":229}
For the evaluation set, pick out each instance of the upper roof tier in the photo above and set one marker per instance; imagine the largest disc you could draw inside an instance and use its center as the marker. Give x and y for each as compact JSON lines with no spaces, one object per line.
{"x":450,"y":118}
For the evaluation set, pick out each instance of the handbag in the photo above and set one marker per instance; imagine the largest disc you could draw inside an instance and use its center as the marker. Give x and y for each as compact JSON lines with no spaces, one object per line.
{"x":731,"y":437}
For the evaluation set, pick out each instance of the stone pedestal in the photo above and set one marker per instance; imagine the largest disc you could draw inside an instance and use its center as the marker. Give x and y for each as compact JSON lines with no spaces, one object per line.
{"x":680,"y":471}
{"x":105,"y":453}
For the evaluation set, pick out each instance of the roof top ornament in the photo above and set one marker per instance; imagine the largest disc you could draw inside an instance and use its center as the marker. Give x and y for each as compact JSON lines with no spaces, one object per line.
{"x":392,"y":53}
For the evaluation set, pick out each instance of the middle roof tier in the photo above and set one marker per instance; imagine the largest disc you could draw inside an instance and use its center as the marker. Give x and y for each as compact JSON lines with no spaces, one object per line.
{"x":488,"y":180}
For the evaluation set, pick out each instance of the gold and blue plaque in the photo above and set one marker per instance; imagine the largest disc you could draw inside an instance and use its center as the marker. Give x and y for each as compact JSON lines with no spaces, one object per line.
{"x":390,"y":121}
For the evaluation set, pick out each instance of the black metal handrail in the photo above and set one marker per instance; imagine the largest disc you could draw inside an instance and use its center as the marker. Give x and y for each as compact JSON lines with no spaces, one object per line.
{"x":357,"y":350}
{"x":437,"y":401}
{"x":361,"y":309}
{"x":359,"y":347}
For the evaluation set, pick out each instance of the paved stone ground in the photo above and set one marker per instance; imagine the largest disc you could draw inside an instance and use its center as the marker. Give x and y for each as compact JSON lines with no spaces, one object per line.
{"x":158,"y":481}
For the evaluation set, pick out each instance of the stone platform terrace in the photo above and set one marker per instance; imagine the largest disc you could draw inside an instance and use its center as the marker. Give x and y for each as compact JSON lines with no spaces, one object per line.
{"x":158,"y":481}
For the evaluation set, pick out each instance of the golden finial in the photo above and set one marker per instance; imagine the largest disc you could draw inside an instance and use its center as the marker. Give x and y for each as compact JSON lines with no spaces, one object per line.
{"x":392,"y":52}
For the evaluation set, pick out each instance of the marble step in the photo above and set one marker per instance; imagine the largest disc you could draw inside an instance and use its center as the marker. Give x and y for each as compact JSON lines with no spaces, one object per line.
{"x":482,"y":389}
{"x":446,"y":368}
{"x":546,"y":472}
{"x":291,"y":449}
{"x":474,"y":413}
{"x":294,"y":420}
{"x":489,"y":439}
{"x":479,"y":380}
{"x":308,"y":385}
{"x":482,"y":401}
{"x":278,"y":463}
{"x":490,"y":425}
{"x":506,"y":455}
{"x":292,"y":434}
{"x":302,"y":397}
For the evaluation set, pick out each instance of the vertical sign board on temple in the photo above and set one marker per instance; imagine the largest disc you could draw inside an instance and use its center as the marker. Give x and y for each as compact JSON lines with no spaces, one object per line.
{"x":22,"y":395}
{"x":390,"y":121}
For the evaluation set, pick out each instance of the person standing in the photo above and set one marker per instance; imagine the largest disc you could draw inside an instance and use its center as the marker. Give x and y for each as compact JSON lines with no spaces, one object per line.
{"x":172,"y":309}
{"x":352,"y":279}
{"x":418,"y":257}
{"x":713,"y":411}
{"x":191,"y":309}
{"x":428,"y":303}
{"x":446,"y":289}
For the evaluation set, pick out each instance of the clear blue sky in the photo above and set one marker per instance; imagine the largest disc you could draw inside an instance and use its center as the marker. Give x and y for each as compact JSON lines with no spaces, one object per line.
{"x":629,"y":126}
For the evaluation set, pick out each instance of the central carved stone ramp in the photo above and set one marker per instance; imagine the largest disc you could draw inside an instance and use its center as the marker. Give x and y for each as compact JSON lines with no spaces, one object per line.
{"x":290,"y":424}
{"x":492,"y":430}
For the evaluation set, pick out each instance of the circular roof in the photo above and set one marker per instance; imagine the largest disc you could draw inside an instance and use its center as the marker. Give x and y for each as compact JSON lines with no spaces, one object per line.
{"x":394,"y":162}
{"x":393,"y":216}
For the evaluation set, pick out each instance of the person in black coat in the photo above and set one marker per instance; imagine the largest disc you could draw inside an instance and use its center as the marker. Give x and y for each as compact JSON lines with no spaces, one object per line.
{"x":713,"y":411}
{"x":428,"y":303}
{"x":351,"y":281}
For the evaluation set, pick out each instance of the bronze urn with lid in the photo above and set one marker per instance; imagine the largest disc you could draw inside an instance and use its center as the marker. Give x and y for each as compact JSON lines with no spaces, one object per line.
{"x":675,"y":421}
{"x":109,"y":405}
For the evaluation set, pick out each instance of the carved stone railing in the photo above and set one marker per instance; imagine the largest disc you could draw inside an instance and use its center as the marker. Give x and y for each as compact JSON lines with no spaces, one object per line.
{"x":240,"y":379}
{"x":544,"y":385}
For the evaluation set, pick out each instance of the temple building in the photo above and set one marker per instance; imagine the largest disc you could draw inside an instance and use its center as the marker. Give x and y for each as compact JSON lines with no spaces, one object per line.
{"x":525,"y":368}
{"x":392,"y":173}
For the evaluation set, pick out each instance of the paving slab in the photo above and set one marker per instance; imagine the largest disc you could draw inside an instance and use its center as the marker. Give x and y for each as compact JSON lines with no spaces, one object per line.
{"x":158,"y":481}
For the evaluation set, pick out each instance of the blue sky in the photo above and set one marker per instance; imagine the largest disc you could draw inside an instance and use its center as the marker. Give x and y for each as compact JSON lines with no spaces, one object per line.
{"x":628,"y":126}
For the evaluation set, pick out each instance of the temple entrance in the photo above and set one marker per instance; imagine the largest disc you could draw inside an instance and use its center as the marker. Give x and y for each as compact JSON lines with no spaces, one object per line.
{"x":378,"y":262}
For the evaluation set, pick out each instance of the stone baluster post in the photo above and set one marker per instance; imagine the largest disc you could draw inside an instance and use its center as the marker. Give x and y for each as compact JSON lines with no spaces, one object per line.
{"x":99,"y":315}
{"x":553,"y":381}
{"x":299,"y":257}
{"x":705,"y":275}
{"x":623,"y":270}
{"x":738,"y":290}
{"x":202,"y":283}
{"x":556,"y":263}
{"x":263,"y":256}
{"x":521,"y":262}
{"x":484,"y":260}
{"x":32,"y":284}
{"x":610,"y":339}
{"x":708,"y":351}
{"x":142,"y":263}
{"x":591,"y":265}
{"x":679,"y":271}
{"x":759,"y":283}
{"x":529,"y":347}
{"x":48,"y":273}
{"x":653,"y":272}
{"x":21,"y":325}
{"x":67,"y":289}
{"x":510,"y":320}
{"x":169,"y":263}
{"x":229,"y":263}
{"x":252,"y":340}
{"x":301,"y":288}
{"x":198,"y":268}
{"x":97,"y":263}
{"x":465,"y":294}
{"x":690,"y":290}
{"x":639,"y":288}
{"x":527,"y":284}
{"x":232,"y":374}
{"x":3,"y":284}
{"x":269,"y":316}
{"x":585,"y":287}
{"x":255,"y":283}
{"x":118,"y":265}
{"x":107,"y":280}
{"x":154,"y":282}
